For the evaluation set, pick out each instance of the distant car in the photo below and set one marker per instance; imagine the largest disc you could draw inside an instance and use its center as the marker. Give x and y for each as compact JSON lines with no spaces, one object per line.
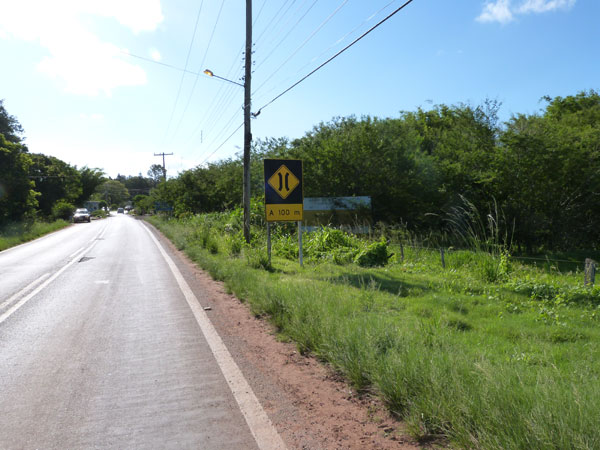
{"x":120,"y":211}
{"x":81,"y":215}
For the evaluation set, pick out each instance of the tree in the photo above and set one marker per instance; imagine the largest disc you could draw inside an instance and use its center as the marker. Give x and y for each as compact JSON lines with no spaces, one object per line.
{"x":548,"y":173}
{"x":55,"y":180}
{"x":18,"y":199}
{"x":90,"y":180}
{"x":156,"y":173}
{"x":9,"y":126}
{"x":113,"y":192}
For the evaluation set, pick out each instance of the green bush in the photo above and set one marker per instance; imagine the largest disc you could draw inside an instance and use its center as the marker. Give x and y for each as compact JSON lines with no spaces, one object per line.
{"x":375,"y":254}
{"x":62,"y":210}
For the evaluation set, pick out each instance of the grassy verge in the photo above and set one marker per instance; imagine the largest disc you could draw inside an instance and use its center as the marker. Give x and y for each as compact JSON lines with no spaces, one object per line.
{"x":484,"y":353}
{"x":20,"y":233}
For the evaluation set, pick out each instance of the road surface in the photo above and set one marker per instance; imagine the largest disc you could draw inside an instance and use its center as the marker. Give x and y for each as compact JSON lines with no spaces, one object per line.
{"x":103,"y":345}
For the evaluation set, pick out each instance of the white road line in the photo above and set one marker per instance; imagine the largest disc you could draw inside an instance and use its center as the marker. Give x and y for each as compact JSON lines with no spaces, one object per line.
{"x":75,"y":252}
{"x":24,"y":290}
{"x":259,"y":423}
{"x":28,"y":297}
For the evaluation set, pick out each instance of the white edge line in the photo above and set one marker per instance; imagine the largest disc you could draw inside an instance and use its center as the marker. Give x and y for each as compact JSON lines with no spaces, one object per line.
{"x":260,"y":425}
{"x":24,"y":290}
{"x":25,"y":299}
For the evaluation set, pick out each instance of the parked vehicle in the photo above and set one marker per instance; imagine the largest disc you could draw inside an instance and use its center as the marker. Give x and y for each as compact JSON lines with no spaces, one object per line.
{"x":81,"y":215}
{"x":120,"y":211}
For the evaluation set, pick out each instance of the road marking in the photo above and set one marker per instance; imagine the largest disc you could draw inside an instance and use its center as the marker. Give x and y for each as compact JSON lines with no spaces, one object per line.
{"x":259,"y":423}
{"x":37,"y":290}
{"x":24,"y":290}
{"x":75,"y":252}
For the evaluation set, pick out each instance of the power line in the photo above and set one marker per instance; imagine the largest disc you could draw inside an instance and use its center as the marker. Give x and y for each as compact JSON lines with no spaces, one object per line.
{"x":223,"y":143}
{"x":338,"y":41}
{"x":303,"y":44}
{"x":334,"y":56}
{"x":170,"y":66}
{"x":201,"y":65}
{"x":290,"y":29}
{"x":268,"y":27}
{"x":183,"y":74}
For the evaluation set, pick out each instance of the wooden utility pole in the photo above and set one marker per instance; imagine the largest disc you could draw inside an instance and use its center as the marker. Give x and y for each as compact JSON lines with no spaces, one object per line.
{"x":247,"y":132}
{"x":163,"y":154}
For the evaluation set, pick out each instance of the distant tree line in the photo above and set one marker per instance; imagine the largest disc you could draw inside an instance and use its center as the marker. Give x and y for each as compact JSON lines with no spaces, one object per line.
{"x":34,"y":186}
{"x":539,"y":173}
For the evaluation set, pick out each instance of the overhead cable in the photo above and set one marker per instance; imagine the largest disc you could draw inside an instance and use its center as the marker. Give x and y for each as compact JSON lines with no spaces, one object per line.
{"x":184,"y":70}
{"x":334,"y":56}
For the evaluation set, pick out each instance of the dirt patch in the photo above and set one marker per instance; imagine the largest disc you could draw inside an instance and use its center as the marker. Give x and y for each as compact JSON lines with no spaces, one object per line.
{"x":309,"y":404}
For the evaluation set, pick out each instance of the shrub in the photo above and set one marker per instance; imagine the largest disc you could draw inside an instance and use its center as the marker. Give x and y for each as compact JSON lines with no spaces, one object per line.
{"x":62,"y":210}
{"x":375,"y":254}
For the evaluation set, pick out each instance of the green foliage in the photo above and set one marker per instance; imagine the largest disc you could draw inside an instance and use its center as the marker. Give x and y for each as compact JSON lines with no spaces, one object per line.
{"x":99,"y":213}
{"x":18,"y":200}
{"x":478,"y":363}
{"x":9,"y":126}
{"x":375,"y":254}
{"x":17,"y":233}
{"x":113,"y":192}
{"x":62,"y":209}
{"x":55,"y":180}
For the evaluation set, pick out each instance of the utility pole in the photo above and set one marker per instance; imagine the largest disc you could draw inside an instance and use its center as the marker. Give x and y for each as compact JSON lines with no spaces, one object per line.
{"x":163,"y":154}
{"x":247,"y":132}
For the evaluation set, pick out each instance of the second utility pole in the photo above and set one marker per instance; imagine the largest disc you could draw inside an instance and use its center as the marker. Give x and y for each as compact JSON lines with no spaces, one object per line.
{"x":163,"y":154}
{"x":247,"y":132}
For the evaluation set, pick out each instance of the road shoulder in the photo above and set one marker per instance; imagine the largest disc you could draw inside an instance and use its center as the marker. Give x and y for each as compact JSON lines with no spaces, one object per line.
{"x":309,"y":404}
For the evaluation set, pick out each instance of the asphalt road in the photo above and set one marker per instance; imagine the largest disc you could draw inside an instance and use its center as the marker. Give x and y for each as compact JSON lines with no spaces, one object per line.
{"x":102,"y":346}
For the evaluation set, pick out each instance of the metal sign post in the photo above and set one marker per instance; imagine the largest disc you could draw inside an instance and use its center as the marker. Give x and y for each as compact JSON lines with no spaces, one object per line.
{"x":300,"y":242}
{"x":284,"y":194}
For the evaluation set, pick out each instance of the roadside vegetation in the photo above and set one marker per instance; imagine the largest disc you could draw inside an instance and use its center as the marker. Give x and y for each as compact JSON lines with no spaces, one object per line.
{"x":484,"y":353}
{"x":39,"y":193}
{"x":18,"y":234}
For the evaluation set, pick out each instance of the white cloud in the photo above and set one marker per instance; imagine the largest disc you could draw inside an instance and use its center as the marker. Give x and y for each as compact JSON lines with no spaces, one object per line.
{"x":540,"y":6}
{"x":86,"y":64}
{"x":504,"y":11}
{"x":496,"y":12}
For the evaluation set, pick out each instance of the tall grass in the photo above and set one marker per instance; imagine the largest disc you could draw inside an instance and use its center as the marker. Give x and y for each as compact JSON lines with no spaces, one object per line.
{"x":16,"y":234}
{"x":511,"y":362}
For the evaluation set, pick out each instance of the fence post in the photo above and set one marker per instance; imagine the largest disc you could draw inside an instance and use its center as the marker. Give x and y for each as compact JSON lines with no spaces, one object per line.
{"x":443,"y":261}
{"x":589,"y":274}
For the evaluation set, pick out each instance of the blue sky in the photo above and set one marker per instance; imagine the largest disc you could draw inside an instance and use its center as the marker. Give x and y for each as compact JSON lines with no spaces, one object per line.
{"x":69,"y":77}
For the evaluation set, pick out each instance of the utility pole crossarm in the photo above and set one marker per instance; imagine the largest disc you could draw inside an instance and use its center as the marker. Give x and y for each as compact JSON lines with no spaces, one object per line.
{"x":163,"y":154}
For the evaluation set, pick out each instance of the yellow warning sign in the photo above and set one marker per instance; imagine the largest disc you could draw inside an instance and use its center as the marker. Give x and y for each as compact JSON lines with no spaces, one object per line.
{"x":284,"y":212}
{"x":283,"y":181}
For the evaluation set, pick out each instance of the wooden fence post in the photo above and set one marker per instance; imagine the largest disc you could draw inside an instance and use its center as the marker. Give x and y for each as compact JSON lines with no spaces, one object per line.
{"x":443,"y":261}
{"x":589,"y":274}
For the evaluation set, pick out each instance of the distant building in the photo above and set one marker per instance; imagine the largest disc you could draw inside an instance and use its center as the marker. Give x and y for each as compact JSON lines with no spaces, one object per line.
{"x":91,"y":206}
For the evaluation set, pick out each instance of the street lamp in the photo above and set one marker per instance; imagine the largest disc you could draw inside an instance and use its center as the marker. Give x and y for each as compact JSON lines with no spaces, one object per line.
{"x":211,"y":74}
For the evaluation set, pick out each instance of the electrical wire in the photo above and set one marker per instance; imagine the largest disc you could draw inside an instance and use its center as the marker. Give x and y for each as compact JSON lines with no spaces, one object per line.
{"x":303,"y":44}
{"x":290,"y":29}
{"x":170,"y":66}
{"x":268,"y":27}
{"x":223,"y":143}
{"x":338,"y":41}
{"x":183,"y":74}
{"x":334,"y":56}
{"x":201,"y":65}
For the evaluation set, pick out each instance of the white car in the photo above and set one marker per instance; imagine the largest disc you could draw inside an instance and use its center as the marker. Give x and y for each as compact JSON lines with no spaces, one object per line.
{"x":81,"y":215}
